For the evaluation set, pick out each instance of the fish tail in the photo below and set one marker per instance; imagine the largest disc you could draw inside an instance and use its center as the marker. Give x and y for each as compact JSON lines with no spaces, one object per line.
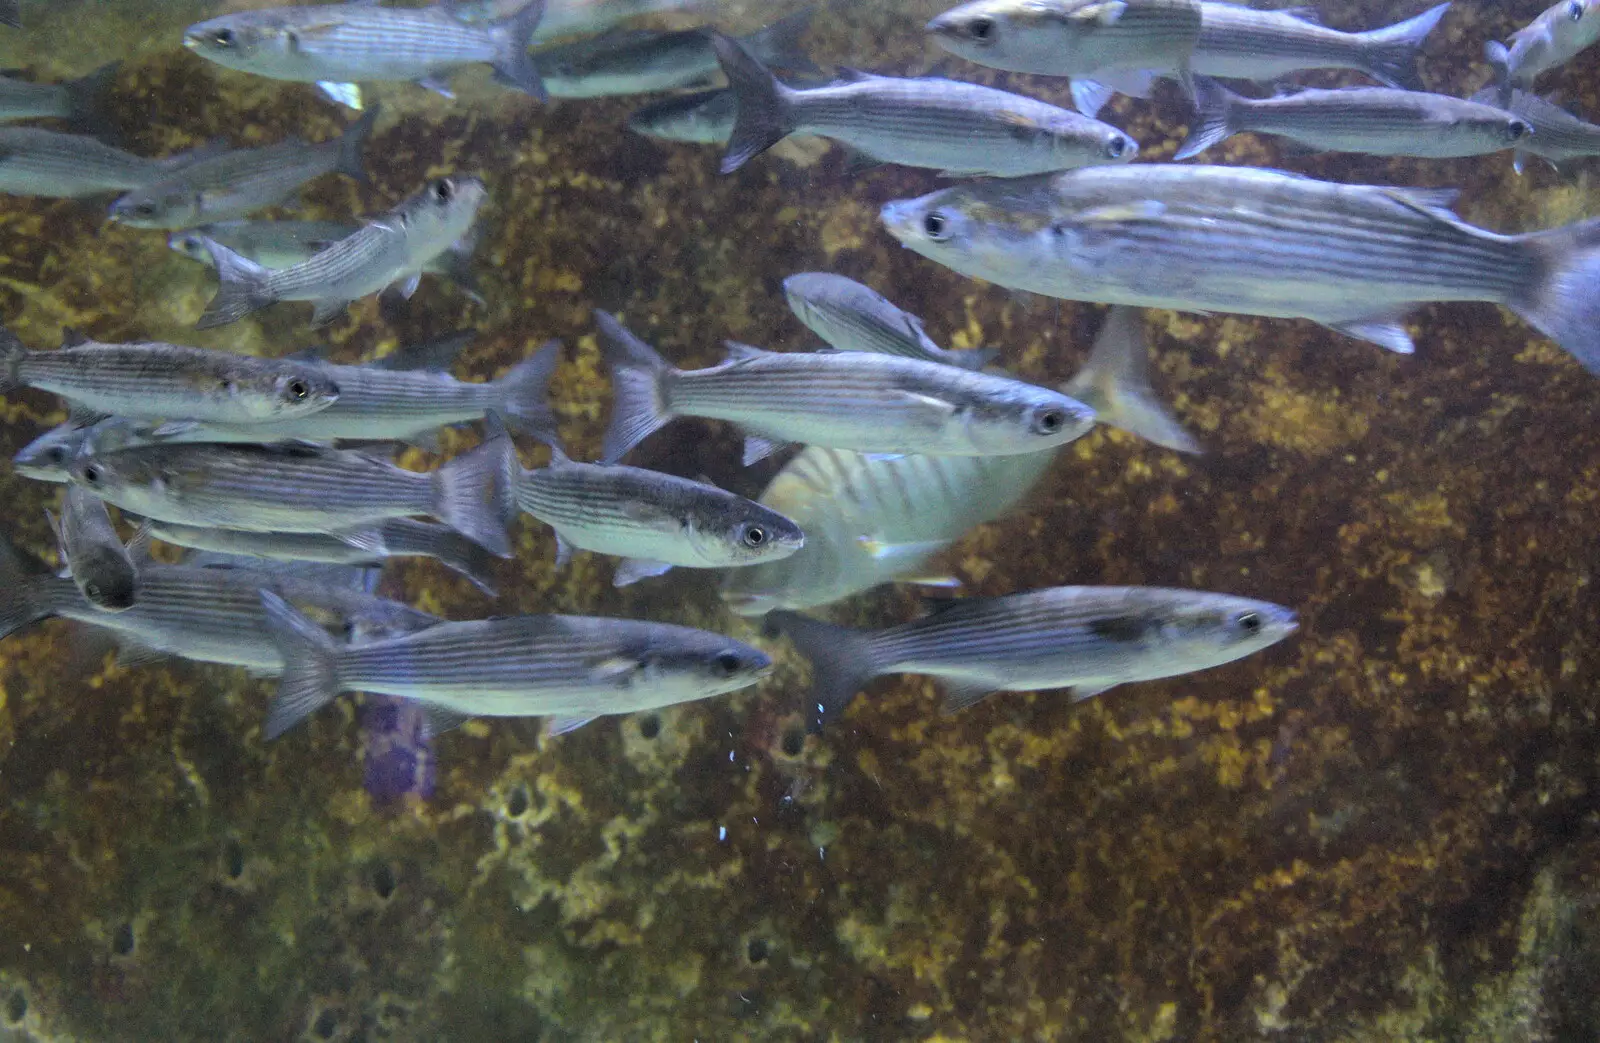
{"x":86,"y":101}
{"x":310,"y":677}
{"x":1563,"y":301}
{"x":525,"y":393}
{"x":474,"y":493}
{"x":405,"y":537}
{"x":514,"y":65}
{"x":241,"y":287}
{"x":11,"y":13}
{"x":12,"y":355}
{"x":1213,"y":115}
{"x":1115,"y":383}
{"x":1392,"y":51}
{"x":1499,"y":58}
{"x":638,"y":377}
{"x":842,"y":661}
{"x":24,"y":580}
{"x":765,"y":110}
{"x":352,"y":141}
{"x":778,"y":46}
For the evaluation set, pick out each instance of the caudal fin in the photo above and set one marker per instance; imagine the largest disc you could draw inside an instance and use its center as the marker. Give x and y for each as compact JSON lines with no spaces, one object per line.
{"x":638,"y":407}
{"x":474,"y":493}
{"x":524,"y":398}
{"x":407,"y":537}
{"x":514,"y":65}
{"x":1211,"y":123}
{"x":11,"y":13}
{"x":778,"y":45}
{"x":1563,"y":302}
{"x":26,"y":588}
{"x":86,"y":101}
{"x":241,"y":287}
{"x":842,"y":662}
{"x":310,"y":677}
{"x":1115,"y":383}
{"x":351,"y":143}
{"x":12,"y":354}
{"x":1391,"y":52}
{"x":1499,"y":57}
{"x":765,"y":113}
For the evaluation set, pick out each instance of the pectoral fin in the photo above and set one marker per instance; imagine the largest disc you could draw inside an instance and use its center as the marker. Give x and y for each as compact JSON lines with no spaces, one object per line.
{"x":346,"y":94}
{"x":1384,"y":331}
{"x":632,"y":570}
{"x":960,"y":693}
{"x":566,"y":725}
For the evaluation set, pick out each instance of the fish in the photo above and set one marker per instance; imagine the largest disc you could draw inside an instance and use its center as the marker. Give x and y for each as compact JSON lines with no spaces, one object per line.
{"x":652,"y":521}
{"x":156,"y":380}
{"x":206,"y":614}
{"x":1087,"y":639}
{"x":391,"y":250}
{"x":298,"y":487}
{"x":1115,"y":383}
{"x":646,"y":60}
{"x":845,"y":399}
{"x":572,"y":668}
{"x":382,"y":403}
{"x":1377,"y":121}
{"x":49,"y":457}
{"x":1558,"y":136}
{"x":11,"y":13}
{"x":340,"y":46}
{"x":1560,"y":33}
{"x":701,"y":118}
{"x":369,"y":545}
{"x":1079,"y":38}
{"x":283,"y":244}
{"x":564,"y":17}
{"x":80,"y":103}
{"x":1355,"y":258}
{"x":47,"y":163}
{"x":237,"y":182}
{"x":962,"y":129}
{"x":853,"y":317}
{"x":93,"y":553}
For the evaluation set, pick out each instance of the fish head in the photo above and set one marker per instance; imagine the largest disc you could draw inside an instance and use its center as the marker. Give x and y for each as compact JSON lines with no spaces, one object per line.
{"x":191,"y":244}
{"x":283,"y":394}
{"x":1210,"y":629}
{"x":158,"y":206}
{"x":741,"y":532}
{"x":251,"y":41}
{"x":49,"y":457}
{"x":680,"y":663}
{"x":120,"y":478}
{"x":106,"y":577}
{"x":968,"y":233}
{"x":1072,"y":139}
{"x":1059,"y":36}
{"x":1015,"y":417}
{"x":442,"y":214}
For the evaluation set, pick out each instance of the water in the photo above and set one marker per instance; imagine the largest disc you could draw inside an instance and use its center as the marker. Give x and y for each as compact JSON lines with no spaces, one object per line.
{"x":1381,"y":829}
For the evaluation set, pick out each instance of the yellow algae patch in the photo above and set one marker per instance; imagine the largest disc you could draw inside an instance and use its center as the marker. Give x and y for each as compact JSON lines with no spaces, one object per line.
{"x":1312,"y":424}
{"x":847,"y":227}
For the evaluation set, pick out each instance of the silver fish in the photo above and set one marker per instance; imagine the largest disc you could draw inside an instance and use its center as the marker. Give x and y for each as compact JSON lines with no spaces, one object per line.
{"x":853,"y":317}
{"x":1378,"y":121}
{"x":49,"y":457}
{"x":702,"y":118}
{"x":284,"y":244}
{"x":1071,"y":37}
{"x":392,"y":250}
{"x":209,"y":614}
{"x":647,"y":60}
{"x":79,"y":102}
{"x":1258,"y":242}
{"x":237,"y":182}
{"x":847,"y":400}
{"x":11,"y":13}
{"x":959,"y":128}
{"x":1558,"y":136}
{"x":348,"y":44}
{"x":36,"y":162}
{"x":403,"y":405}
{"x":93,"y":552}
{"x":1115,"y":383}
{"x":652,"y":521}
{"x":1088,"y":639}
{"x":169,"y":380}
{"x":563,"y":17}
{"x":298,"y":488}
{"x":1558,"y":35}
{"x":370,"y":545}
{"x":570,"y":667}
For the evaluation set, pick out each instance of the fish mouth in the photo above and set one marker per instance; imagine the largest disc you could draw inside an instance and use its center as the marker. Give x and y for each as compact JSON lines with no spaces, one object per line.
{"x":896,"y":218}
{"x":191,"y":41}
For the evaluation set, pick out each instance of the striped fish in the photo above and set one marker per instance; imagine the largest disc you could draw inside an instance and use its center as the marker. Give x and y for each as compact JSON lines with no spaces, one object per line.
{"x":960,"y":128}
{"x":853,"y":317}
{"x":153,"y":380}
{"x":36,"y":162}
{"x":570,"y":667}
{"x":299,"y":488}
{"x":392,"y":250}
{"x":338,"y":45}
{"x":562,"y":17}
{"x":369,"y":545}
{"x":847,"y":400}
{"x":701,"y":118}
{"x":237,"y":182}
{"x":652,"y":521}
{"x":1088,"y":639}
{"x":1071,"y":37}
{"x":1378,"y":121}
{"x":1558,"y":135}
{"x":1224,"y":239}
{"x":209,"y":614}
{"x":49,"y":457}
{"x":93,"y":552}
{"x":1559,"y":34}
{"x":80,"y":102}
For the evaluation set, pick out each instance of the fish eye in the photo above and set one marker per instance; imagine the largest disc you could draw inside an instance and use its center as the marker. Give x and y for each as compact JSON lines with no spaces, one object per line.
{"x":1116,"y":147}
{"x":298,"y":389}
{"x":92,"y":590}
{"x":145,"y":209}
{"x":729,"y":663}
{"x":1050,"y":420}
{"x":755,"y":536}
{"x":981,"y":30}
{"x":444,"y":190}
{"x":224,"y":38}
{"x":1249,"y":622}
{"x":1519,"y":129}
{"x":936,"y":225}
{"x":56,"y":454}
{"x":93,"y":473}
{"x":1575,"y":10}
